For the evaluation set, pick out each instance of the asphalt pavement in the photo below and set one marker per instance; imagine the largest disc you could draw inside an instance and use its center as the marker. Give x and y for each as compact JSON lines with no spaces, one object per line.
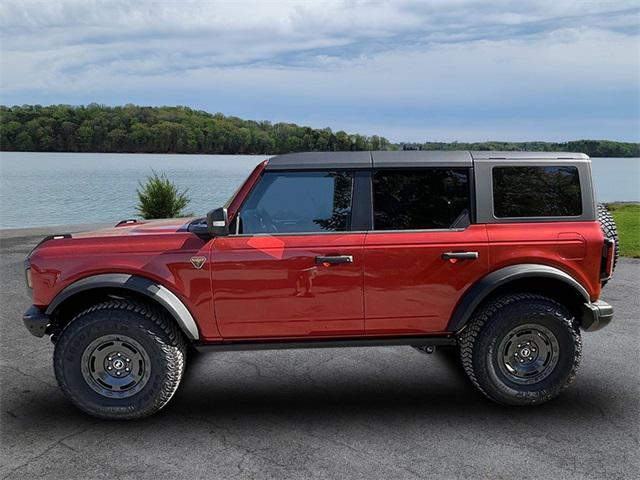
{"x":353,"y":413}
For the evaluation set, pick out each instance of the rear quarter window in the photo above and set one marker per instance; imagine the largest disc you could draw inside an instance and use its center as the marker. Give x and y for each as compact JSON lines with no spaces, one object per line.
{"x":546,"y":191}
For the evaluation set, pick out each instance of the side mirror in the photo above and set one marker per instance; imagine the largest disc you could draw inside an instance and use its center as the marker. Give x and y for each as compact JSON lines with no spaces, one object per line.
{"x":218,"y":222}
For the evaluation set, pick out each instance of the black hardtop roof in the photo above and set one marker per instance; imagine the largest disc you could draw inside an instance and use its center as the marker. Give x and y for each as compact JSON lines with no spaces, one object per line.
{"x":404,"y":159}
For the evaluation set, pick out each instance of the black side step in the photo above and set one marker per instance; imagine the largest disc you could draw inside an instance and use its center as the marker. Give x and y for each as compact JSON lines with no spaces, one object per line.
{"x":332,"y":343}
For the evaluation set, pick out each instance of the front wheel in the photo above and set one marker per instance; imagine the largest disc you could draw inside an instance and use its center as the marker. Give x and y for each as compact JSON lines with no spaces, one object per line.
{"x":521,"y":349}
{"x":120,"y":360}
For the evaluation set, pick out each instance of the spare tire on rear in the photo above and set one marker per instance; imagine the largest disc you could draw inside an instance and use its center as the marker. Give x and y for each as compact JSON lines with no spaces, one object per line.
{"x":610,"y":231}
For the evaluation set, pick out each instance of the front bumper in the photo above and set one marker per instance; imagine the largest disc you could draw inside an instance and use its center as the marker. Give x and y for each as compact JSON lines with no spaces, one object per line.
{"x":36,"y":321}
{"x":596,"y":315}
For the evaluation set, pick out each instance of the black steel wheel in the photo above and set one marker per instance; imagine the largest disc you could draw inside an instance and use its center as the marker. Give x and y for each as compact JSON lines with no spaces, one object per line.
{"x":120,"y":359}
{"x":116,"y":366}
{"x":521,"y":349}
{"x":529,"y":353}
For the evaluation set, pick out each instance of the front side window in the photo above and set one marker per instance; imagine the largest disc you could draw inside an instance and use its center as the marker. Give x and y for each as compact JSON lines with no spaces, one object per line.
{"x":296,"y":202}
{"x":536,"y":192}
{"x":420,"y":199}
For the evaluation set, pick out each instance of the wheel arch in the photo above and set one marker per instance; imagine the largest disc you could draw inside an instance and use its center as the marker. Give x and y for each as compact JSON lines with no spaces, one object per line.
{"x":110,"y":284}
{"x":531,"y":278}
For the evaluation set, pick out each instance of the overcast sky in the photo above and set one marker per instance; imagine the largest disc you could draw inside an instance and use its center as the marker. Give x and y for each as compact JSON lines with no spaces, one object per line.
{"x":409,"y":70}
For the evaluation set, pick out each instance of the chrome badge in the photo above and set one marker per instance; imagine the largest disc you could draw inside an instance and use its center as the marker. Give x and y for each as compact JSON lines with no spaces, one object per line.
{"x":198,"y":262}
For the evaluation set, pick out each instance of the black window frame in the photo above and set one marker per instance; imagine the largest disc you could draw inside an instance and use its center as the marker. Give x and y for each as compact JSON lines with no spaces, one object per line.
{"x":471,"y":192}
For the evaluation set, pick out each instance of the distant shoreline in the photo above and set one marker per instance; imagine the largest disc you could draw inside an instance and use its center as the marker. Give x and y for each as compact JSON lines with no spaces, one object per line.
{"x":168,"y":130}
{"x":222,"y":154}
{"x":161,"y":153}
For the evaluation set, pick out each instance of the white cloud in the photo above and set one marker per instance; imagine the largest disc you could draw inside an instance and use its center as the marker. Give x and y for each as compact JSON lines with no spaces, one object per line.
{"x":407,"y":56}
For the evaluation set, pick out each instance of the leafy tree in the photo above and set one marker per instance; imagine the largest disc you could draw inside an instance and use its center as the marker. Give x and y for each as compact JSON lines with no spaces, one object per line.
{"x":160,"y":198}
{"x":137,"y":129}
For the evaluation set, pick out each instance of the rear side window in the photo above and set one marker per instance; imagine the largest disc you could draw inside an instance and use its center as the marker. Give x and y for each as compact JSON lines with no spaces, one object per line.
{"x":420,"y":199}
{"x":296,"y":202}
{"x":536,"y":192}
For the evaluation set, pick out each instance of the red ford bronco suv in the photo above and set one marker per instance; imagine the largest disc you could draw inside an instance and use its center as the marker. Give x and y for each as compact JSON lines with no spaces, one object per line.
{"x":500,"y":254}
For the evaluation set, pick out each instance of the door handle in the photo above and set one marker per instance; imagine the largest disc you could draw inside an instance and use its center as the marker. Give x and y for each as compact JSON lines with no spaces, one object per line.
{"x":333,"y":260}
{"x":460,"y":255}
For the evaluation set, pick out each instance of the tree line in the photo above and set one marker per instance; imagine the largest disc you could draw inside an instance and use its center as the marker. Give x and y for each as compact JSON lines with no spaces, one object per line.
{"x":137,"y":129}
{"x":593,"y":148}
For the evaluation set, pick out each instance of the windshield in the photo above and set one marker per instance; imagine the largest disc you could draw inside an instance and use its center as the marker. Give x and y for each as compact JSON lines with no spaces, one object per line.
{"x":233,"y":195}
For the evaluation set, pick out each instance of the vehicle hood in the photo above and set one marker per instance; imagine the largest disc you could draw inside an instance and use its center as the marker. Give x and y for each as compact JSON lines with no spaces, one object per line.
{"x":142,"y":227}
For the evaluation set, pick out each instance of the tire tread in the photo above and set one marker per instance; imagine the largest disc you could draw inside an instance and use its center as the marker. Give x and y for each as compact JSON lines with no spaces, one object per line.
{"x":169,"y":338}
{"x":609,"y":229}
{"x":471,"y":333}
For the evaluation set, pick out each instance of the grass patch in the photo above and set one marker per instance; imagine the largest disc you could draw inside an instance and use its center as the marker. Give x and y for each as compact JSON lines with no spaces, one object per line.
{"x":627,"y":217}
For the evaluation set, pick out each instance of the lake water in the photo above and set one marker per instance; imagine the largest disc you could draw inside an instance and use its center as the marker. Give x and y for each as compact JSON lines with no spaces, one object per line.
{"x":42,"y":189}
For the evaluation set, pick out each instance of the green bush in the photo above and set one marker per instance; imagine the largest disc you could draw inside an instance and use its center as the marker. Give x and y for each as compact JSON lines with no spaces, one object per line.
{"x":160,"y":198}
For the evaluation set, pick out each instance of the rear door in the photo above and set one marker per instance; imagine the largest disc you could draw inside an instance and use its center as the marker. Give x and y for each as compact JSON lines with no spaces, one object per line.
{"x":423,"y":252}
{"x":294,"y":268}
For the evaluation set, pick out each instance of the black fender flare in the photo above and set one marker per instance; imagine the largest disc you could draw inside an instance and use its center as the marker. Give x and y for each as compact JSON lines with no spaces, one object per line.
{"x":144,"y":286}
{"x":487,"y":284}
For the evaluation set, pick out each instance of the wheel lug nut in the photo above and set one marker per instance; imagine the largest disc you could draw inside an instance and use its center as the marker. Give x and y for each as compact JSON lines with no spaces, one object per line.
{"x":127,"y":369}
{"x":128,"y":359}
{"x":109,"y":368}
{"x":119,"y":355}
{"x":109,"y":358}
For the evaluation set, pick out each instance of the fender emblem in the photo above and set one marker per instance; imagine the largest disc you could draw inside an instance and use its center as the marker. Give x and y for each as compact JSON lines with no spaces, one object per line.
{"x":198,"y":262}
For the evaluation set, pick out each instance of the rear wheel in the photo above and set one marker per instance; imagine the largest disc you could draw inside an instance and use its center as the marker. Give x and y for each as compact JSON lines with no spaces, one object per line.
{"x":120,"y":360}
{"x":521,"y":349}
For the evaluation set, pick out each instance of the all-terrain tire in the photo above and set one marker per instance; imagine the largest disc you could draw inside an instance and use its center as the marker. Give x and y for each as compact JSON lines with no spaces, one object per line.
{"x":486,"y":340}
{"x":132,"y":340}
{"x":610,"y":231}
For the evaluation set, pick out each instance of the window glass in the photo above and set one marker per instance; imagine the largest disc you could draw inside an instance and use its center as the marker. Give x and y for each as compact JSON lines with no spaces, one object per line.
{"x":290,"y":202}
{"x":420,"y":199}
{"x":536,"y":192}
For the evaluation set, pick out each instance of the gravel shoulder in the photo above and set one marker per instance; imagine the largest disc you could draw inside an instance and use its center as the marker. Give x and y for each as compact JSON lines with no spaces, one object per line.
{"x":337,"y":413}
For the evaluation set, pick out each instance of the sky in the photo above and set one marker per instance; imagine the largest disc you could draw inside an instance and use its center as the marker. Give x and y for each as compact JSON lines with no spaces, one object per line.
{"x":433,"y":70}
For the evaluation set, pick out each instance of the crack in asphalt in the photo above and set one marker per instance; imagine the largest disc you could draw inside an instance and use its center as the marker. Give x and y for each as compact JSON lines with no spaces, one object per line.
{"x":59,"y":442}
{"x":28,"y":375}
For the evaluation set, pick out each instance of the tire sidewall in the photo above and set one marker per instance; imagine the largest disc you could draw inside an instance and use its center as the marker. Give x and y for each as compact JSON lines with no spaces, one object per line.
{"x":487,"y":356}
{"x":68,"y":361}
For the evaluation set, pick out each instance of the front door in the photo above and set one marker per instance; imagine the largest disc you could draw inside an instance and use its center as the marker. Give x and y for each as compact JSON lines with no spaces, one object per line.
{"x":294,"y":268}
{"x":422,"y":253}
